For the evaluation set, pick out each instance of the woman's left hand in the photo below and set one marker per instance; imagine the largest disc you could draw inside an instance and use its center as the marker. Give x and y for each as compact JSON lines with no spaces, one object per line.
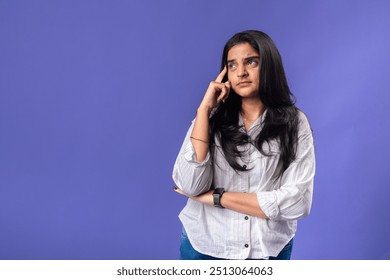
{"x":206,"y":198}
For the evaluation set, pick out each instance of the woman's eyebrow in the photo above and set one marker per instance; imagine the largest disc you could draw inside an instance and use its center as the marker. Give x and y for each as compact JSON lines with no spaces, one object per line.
{"x":252,"y":57}
{"x":246,"y":58}
{"x":231,"y":60}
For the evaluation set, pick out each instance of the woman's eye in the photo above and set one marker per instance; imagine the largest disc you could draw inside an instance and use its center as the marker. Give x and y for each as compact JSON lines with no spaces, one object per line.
{"x":232,"y":66}
{"x":252,"y":62}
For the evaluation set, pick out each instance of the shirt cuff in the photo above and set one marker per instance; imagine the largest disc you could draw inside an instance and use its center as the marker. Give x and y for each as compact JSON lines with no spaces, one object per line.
{"x":190,"y":155}
{"x":267,"y":203}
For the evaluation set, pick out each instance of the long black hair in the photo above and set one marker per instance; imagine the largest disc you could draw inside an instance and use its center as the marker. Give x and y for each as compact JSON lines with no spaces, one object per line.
{"x":281,"y":118}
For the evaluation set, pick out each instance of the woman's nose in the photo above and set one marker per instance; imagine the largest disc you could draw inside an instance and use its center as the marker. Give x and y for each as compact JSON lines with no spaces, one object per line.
{"x":241,"y":71}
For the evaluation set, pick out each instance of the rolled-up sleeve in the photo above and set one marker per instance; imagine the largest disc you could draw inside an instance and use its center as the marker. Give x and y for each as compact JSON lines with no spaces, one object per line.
{"x":293,"y":199}
{"x":191,"y":176}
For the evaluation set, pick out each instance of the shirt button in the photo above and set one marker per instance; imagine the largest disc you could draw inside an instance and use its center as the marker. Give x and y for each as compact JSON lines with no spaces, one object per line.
{"x":246,"y":217}
{"x":244,"y":166}
{"x":246,"y":245}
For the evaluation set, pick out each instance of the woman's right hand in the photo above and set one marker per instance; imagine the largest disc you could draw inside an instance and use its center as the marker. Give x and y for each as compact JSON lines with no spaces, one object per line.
{"x":216,"y":93}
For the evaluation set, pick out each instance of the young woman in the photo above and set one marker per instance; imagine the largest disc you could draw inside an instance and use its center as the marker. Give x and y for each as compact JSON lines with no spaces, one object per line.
{"x":247,"y":162}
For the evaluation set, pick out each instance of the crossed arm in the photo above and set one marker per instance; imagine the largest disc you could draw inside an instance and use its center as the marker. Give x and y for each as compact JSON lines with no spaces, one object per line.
{"x":245,"y":203}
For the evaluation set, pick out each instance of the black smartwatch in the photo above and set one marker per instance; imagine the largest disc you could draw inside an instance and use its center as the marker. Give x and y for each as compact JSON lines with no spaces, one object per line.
{"x":217,"y":194}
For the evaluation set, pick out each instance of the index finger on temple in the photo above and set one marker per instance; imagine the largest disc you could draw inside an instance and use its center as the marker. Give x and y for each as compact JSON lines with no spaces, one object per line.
{"x":221,"y":75}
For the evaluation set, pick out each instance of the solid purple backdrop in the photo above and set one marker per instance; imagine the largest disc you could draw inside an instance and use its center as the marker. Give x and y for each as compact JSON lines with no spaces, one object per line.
{"x":96,"y":96}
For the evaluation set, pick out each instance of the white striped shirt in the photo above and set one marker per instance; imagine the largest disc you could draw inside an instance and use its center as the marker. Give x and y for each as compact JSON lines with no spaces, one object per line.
{"x":224,"y":233}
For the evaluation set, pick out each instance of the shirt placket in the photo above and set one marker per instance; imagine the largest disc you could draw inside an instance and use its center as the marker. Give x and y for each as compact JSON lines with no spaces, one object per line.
{"x":245,"y":220}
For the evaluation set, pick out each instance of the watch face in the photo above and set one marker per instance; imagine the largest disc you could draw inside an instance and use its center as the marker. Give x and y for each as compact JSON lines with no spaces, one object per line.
{"x":219,"y":191}
{"x":217,"y":197}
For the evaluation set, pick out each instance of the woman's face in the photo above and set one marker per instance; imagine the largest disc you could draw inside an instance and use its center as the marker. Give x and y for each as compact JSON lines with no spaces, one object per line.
{"x":243,"y":65}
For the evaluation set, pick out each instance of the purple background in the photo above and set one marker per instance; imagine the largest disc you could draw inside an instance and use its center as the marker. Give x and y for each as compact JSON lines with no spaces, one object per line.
{"x":96,"y":97}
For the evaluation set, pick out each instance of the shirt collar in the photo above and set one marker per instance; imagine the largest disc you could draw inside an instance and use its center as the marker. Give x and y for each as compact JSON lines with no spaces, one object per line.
{"x":255,"y":125}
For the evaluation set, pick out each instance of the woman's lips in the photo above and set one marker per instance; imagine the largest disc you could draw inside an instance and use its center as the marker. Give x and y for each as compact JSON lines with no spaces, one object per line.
{"x":243,"y":84}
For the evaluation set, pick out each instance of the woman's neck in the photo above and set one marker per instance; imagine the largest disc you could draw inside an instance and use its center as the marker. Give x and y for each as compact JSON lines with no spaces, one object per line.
{"x":252,"y":108}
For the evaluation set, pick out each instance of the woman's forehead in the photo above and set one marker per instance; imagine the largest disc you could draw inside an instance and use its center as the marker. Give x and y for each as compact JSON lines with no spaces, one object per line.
{"x":240,"y":51}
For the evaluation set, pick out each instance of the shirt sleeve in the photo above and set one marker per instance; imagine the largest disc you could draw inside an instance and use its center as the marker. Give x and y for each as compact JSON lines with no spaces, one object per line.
{"x":293,"y":199}
{"x":191,"y":176}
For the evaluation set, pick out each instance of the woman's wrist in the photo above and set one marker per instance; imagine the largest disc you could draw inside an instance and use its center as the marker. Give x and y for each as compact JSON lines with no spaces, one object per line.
{"x":204,"y":109}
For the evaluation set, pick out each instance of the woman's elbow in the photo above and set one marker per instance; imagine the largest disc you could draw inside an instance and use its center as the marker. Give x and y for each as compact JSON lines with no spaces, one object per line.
{"x":195,"y":186}
{"x":305,"y":212}
{"x":300,"y":212}
{"x":194,"y":192}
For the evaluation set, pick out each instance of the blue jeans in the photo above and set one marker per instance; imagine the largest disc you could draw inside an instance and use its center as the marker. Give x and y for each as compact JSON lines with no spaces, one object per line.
{"x":187,"y":252}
